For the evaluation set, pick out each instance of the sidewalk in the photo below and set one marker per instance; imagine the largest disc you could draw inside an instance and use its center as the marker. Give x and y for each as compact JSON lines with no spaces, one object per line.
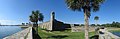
{"x":29,"y":34}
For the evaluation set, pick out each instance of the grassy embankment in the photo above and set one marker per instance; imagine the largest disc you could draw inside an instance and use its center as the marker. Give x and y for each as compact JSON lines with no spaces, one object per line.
{"x":67,"y":34}
{"x":112,"y":29}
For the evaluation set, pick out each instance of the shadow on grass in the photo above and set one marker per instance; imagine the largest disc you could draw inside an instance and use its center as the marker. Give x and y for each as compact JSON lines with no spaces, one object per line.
{"x":57,"y":36}
{"x":34,"y":35}
{"x":94,"y":37}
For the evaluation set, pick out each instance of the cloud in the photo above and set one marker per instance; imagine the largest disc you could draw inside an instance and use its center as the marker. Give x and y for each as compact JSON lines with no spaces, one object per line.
{"x":8,"y":22}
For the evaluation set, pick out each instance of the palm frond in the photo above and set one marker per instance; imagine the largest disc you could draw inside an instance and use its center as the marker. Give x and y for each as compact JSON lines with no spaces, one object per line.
{"x":75,"y":4}
{"x":95,"y":4}
{"x":41,"y":17}
{"x":96,"y":18}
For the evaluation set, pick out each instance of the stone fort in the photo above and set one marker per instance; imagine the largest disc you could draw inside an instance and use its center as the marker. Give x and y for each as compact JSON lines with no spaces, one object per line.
{"x":55,"y":25}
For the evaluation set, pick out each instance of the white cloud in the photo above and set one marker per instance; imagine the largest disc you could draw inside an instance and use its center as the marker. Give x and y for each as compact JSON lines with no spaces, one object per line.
{"x":8,"y":22}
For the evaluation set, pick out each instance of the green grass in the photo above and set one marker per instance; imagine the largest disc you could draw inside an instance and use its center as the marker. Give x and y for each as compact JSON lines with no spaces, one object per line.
{"x":67,"y":34}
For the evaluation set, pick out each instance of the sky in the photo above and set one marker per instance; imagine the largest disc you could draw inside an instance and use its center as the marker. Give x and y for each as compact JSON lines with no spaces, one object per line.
{"x":18,"y":11}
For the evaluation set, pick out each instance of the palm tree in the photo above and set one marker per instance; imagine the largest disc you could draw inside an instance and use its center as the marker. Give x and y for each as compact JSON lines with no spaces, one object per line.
{"x":35,"y":17}
{"x":96,"y":19}
{"x":41,"y":17}
{"x":86,"y":6}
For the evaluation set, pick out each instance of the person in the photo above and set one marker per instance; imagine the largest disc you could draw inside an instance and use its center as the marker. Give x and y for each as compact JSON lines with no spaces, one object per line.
{"x":102,"y":33}
{"x":96,"y":30}
{"x":102,"y":30}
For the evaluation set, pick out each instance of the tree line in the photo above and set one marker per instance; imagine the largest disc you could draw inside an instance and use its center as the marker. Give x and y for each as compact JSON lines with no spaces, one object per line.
{"x":113,"y":24}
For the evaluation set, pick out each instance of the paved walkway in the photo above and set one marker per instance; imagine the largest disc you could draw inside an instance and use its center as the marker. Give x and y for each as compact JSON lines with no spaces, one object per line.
{"x":29,"y":34}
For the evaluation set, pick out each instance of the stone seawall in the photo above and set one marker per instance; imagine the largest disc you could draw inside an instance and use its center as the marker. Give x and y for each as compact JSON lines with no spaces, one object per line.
{"x":24,"y":34}
{"x":108,"y":35}
{"x":105,"y":34}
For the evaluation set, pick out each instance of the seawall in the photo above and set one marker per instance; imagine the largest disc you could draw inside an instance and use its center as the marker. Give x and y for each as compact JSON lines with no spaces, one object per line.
{"x":24,"y":34}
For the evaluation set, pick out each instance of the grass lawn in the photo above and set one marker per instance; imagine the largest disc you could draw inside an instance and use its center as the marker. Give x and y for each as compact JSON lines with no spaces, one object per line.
{"x":62,"y":34}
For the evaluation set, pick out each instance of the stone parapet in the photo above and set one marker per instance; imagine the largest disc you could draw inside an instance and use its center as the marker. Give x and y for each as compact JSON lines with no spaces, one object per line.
{"x":107,"y":35}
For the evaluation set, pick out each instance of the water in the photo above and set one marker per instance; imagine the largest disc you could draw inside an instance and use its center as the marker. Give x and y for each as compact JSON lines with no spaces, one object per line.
{"x":116,"y":33}
{"x":8,"y":30}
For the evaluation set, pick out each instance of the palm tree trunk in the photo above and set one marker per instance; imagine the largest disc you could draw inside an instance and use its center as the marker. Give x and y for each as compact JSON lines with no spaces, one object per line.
{"x":36,"y":28}
{"x":96,"y":23}
{"x":86,"y":25}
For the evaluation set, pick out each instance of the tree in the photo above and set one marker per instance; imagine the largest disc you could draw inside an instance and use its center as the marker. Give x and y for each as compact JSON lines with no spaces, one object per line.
{"x":35,"y":17}
{"x":96,"y":19}
{"x":113,"y":24}
{"x":82,"y":24}
{"x":86,"y":6}
{"x":41,"y":17}
{"x":23,"y":23}
{"x":92,"y":24}
{"x":26,"y":23}
{"x":98,"y":25}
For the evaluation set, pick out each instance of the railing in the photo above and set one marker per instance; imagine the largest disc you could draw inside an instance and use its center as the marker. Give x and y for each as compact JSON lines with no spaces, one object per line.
{"x":108,"y":35}
{"x":24,"y":34}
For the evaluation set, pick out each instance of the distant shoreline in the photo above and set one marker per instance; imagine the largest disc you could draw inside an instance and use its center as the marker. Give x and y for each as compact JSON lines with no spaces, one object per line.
{"x":13,"y":25}
{"x":22,"y":26}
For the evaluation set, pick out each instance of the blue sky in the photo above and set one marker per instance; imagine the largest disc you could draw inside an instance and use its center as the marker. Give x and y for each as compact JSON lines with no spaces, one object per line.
{"x":18,"y":11}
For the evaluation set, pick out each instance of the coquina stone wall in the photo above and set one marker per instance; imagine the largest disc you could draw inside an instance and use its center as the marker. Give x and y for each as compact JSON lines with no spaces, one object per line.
{"x":45,"y":25}
{"x":54,"y":24}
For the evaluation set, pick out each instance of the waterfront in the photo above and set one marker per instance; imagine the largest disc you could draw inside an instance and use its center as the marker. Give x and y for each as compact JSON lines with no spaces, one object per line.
{"x":9,"y":30}
{"x":116,"y":33}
